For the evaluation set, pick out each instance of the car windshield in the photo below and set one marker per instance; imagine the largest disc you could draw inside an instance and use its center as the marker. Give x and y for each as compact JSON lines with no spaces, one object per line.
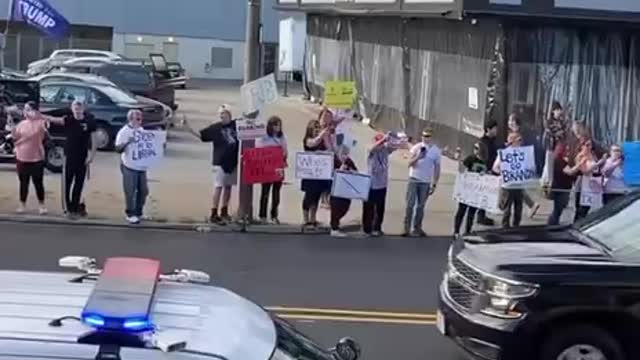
{"x":616,"y":227}
{"x":118,"y":96}
{"x":293,"y":345}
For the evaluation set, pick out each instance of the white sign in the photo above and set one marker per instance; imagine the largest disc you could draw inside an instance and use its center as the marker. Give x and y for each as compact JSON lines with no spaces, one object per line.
{"x":473,"y":98}
{"x":591,"y":190}
{"x":314,"y":165}
{"x":251,"y":129}
{"x":517,"y":167}
{"x":147,"y":148}
{"x":259,"y":93}
{"x":349,"y":185}
{"x":479,"y":191}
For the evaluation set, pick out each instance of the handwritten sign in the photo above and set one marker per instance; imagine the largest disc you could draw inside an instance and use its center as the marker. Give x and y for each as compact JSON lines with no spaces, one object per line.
{"x":478,"y":191}
{"x":631,"y":165}
{"x":147,"y":148}
{"x":314,"y":165}
{"x":262,"y":165}
{"x":259,"y":93}
{"x":518,"y":167}
{"x":348,"y":185}
{"x":250,"y":129}
{"x":339,"y":94}
{"x":591,"y":190}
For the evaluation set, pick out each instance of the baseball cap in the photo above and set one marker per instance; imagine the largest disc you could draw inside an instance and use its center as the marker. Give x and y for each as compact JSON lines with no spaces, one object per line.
{"x":224,"y":108}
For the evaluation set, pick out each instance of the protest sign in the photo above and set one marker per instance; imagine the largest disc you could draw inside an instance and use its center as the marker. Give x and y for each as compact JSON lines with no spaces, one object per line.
{"x":147,"y":148}
{"x":262,"y":165}
{"x":349,"y":185}
{"x":314,"y":165}
{"x":339,"y":94}
{"x":591,"y":190}
{"x":251,"y":129}
{"x":517,"y":167}
{"x":631,"y":165}
{"x":259,"y":93}
{"x":479,"y":191}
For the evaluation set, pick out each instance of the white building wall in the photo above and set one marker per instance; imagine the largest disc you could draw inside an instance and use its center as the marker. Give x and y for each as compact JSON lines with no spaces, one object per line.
{"x":193,"y":53}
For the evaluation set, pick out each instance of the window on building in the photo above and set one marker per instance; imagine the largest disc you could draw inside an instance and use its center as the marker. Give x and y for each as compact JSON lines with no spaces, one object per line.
{"x":221,"y":58}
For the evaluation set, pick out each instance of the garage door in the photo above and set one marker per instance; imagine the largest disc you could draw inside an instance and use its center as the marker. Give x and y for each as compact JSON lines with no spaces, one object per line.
{"x":170,"y":51}
{"x":138,"y":51}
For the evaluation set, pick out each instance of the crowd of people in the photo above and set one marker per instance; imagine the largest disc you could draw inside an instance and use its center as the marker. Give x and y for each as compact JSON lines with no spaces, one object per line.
{"x":571,"y":155}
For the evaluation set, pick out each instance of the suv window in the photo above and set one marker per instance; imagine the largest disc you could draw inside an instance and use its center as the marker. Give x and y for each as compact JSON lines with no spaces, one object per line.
{"x":48,"y":93}
{"x":71,"y":93}
{"x":62,"y":54}
{"x":89,"y":54}
{"x":138,"y":76}
{"x":97,"y":98}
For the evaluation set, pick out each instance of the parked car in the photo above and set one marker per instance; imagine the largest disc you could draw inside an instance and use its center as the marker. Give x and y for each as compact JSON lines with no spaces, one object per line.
{"x":12,"y":74}
{"x":108,"y":104}
{"x":59,"y":56}
{"x":129,"y":75}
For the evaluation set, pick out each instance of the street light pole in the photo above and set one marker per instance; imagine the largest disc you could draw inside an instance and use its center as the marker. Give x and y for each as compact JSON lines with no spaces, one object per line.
{"x":251,"y":72}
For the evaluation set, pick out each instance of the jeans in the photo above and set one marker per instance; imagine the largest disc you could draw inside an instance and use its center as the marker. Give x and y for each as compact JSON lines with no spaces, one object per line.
{"x":27,"y":172}
{"x":75,"y":172}
{"x":528,"y":201}
{"x":274,"y":189}
{"x":339,"y":208}
{"x":462,"y":210}
{"x":135,"y":187}
{"x":560,"y":202}
{"x":581,"y":211}
{"x":373,"y":211}
{"x":417,"y":195}
{"x":513,"y":205}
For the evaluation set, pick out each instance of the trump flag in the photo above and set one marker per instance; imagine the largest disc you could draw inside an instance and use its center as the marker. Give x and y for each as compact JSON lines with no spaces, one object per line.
{"x":41,"y":15}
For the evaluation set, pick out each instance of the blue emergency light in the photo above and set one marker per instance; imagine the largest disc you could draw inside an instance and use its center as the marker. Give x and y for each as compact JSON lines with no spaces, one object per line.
{"x":123,"y":295}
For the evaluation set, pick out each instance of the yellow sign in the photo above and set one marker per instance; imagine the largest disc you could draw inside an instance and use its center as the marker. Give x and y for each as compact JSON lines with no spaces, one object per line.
{"x":339,"y":94}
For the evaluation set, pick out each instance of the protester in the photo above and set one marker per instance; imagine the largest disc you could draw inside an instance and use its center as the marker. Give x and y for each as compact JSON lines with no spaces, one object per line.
{"x":424,"y":174}
{"x":555,"y":132}
{"x":515,"y":126}
{"x":476,"y":162}
{"x":224,"y":138}
{"x":274,"y":137}
{"x":563,"y":179}
{"x":614,"y":186}
{"x":513,"y":198}
{"x":79,"y":151}
{"x":340,"y":206}
{"x":29,"y":136}
{"x":316,"y":139}
{"x":134,"y":178}
{"x":490,"y":142}
{"x":589,"y":166}
{"x":328,"y":121}
{"x":378,"y":167}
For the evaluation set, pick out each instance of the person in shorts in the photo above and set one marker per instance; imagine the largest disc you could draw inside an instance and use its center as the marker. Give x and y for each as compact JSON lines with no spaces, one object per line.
{"x":224,"y":138}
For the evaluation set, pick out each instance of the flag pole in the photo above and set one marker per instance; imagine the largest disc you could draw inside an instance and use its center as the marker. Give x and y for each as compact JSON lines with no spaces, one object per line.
{"x":5,"y":33}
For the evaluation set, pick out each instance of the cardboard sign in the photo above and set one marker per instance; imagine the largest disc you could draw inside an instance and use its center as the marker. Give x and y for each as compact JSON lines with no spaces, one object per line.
{"x":147,"y":149}
{"x":314,"y":165}
{"x":479,"y":191}
{"x":250,"y":129}
{"x":349,"y":185}
{"x":517,"y":167}
{"x":262,"y":165}
{"x":259,"y":93}
{"x":339,"y":94}
{"x":591,"y":190}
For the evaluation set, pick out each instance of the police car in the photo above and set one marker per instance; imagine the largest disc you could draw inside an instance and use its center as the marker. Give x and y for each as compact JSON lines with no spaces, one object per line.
{"x":129,"y":310}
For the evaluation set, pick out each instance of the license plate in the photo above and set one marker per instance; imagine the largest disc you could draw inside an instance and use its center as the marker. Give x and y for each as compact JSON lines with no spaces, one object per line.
{"x":440,"y":323}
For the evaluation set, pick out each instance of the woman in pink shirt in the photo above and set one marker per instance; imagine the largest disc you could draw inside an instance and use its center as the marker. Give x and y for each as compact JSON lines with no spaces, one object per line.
{"x":29,"y":137}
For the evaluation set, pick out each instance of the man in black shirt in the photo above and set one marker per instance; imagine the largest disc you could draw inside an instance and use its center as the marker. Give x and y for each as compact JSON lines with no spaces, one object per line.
{"x":224,"y":138}
{"x":79,"y":151}
{"x":490,"y":142}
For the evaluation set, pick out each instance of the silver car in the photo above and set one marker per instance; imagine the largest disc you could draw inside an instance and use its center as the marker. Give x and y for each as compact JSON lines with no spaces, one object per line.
{"x":43,"y":316}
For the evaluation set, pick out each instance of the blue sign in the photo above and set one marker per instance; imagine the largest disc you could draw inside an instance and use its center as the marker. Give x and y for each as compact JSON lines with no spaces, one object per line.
{"x":631,"y":167}
{"x":41,"y":15}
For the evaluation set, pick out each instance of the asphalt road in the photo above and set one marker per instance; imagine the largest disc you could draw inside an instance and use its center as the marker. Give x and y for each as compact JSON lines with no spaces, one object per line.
{"x":382,"y":291}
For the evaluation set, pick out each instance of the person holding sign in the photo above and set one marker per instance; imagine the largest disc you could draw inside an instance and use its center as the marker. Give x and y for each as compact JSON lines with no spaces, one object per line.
{"x":274,"y":137}
{"x":562,"y":180}
{"x":424,"y":174}
{"x":134,"y":177}
{"x":590,"y":167}
{"x":316,"y":139}
{"x":477,"y":163}
{"x":224,"y":138}
{"x":513,"y":198}
{"x":614,"y":186}
{"x":340,"y":206}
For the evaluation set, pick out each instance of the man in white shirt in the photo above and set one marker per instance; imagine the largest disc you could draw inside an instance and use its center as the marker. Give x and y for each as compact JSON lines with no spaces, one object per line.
{"x":424,"y":174}
{"x":134,"y":178}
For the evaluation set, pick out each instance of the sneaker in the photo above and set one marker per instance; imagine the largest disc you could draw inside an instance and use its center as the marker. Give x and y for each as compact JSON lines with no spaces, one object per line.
{"x":420,"y":233}
{"x":275,"y":221}
{"x":377,"y":233}
{"x":534,"y":210}
{"x":133,"y":220}
{"x":43,"y":210}
{"x":21,"y":209}
{"x":338,"y":233}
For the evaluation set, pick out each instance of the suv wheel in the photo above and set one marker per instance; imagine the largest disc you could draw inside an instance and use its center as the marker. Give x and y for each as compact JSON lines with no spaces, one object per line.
{"x":103,"y":137}
{"x":580,"y":343}
{"x":54,"y":157}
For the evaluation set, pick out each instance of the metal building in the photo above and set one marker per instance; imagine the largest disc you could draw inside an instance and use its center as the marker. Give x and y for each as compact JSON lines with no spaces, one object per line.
{"x":206,"y":36}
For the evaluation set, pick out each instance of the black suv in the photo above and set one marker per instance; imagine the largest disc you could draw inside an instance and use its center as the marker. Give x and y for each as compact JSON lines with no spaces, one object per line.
{"x":548,"y":293}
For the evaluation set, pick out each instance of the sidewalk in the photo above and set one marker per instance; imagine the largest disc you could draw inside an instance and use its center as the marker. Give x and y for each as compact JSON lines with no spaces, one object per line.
{"x":181,"y":187}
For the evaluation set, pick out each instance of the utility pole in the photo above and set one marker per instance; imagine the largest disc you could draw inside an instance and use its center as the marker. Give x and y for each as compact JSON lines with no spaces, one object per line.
{"x":251,"y":72}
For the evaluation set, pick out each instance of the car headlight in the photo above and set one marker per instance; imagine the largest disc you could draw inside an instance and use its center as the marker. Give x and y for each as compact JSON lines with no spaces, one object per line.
{"x":504,"y":298}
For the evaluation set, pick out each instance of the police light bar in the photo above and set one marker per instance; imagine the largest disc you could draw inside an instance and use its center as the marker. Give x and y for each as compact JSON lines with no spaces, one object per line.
{"x":123,"y":295}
